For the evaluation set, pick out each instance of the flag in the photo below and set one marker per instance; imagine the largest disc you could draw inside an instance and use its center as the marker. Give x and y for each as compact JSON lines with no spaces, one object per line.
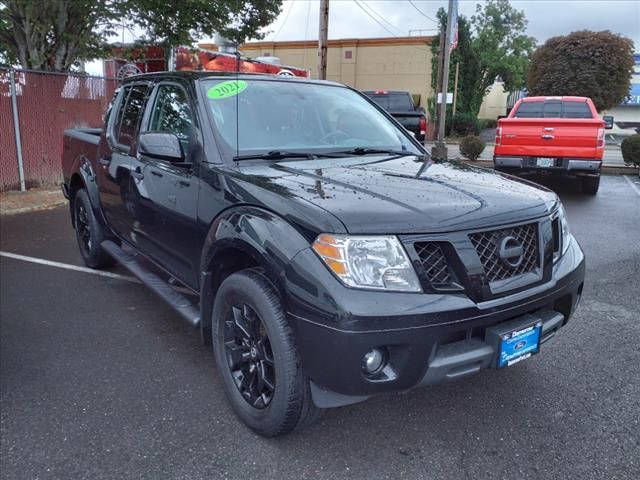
{"x":453,"y":32}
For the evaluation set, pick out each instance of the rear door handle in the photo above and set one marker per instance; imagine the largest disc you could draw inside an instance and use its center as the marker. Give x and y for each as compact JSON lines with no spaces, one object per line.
{"x":105,"y":161}
{"x":184,"y":183}
{"x":156,"y":173}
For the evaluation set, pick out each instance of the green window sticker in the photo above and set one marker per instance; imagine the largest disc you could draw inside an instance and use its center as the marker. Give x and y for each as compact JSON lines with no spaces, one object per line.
{"x":226,"y":89}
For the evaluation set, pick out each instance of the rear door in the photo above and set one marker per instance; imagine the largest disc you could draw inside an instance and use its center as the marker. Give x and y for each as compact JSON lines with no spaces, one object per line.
{"x":169,"y":232}
{"x":119,"y":171}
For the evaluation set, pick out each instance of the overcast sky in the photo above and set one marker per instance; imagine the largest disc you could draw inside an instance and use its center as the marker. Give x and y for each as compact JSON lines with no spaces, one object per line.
{"x":384,"y":18}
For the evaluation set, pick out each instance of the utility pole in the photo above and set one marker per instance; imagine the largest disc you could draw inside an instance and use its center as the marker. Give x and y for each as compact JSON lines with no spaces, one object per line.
{"x":455,"y":88}
{"x":323,"y":39}
{"x":439,"y":152}
{"x":441,"y":47}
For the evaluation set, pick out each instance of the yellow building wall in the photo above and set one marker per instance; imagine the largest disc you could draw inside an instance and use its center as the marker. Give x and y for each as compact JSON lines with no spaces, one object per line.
{"x":371,"y":67}
{"x":375,"y":64}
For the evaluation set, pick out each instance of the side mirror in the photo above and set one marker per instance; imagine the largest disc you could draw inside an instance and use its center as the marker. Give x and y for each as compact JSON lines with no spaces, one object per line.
{"x":163,"y":146}
{"x":421,"y":110}
{"x":608,"y":121}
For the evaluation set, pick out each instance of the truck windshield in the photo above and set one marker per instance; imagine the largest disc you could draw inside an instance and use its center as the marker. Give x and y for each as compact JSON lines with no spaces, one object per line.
{"x":254,"y":116}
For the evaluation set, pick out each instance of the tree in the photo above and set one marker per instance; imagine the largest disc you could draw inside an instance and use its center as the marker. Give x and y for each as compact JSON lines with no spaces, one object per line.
{"x":492,"y":44}
{"x":598,"y":65}
{"x":54,"y":34}
{"x":501,"y":44}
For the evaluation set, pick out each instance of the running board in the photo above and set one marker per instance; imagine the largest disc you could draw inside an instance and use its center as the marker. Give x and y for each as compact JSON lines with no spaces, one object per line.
{"x":187,"y":310}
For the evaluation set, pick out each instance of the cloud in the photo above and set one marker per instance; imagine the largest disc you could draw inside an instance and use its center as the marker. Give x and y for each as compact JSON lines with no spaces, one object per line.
{"x":382,"y":18}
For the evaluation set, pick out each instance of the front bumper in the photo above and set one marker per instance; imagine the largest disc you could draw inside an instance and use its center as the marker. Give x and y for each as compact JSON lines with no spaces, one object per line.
{"x":429,"y":338}
{"x":576,"y":166}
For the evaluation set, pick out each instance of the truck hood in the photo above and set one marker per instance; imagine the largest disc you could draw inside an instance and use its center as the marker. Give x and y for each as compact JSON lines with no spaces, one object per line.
{"x":378,"y":194}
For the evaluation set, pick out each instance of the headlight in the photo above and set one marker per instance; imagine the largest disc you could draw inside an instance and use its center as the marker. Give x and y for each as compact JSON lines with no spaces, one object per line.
{"x":564,"y":229}
{"x":377,"y":262}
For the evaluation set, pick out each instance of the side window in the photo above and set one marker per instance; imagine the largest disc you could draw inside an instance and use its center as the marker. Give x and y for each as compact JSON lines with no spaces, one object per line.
{"x":130,"y":114}
{"x":172,"y":114}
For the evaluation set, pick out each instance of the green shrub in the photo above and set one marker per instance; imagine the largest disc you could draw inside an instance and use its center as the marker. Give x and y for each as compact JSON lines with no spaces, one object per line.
{"x":487,"y":123}
{"x":471,"y":147}
{"x":465,"y":124}
{"x":631,"y":149}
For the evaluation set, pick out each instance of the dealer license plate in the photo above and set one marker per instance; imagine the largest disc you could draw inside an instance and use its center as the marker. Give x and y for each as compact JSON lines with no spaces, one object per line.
{"x":519,"y":345}
{"x":545,"y":162}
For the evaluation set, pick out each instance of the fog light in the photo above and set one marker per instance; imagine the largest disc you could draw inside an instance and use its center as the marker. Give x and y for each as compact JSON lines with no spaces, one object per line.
{"x":373,"y":361}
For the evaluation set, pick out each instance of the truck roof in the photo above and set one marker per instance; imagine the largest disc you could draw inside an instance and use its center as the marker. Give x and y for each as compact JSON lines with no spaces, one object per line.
{"x":196,"y":75}
{"x":564,"y":99}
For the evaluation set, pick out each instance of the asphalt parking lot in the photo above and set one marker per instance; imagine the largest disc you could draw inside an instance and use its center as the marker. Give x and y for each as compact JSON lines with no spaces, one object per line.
{"x":99,"y":380}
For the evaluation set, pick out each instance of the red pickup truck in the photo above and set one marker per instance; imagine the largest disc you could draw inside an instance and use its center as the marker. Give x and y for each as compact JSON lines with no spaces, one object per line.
{"x":552,"y":135}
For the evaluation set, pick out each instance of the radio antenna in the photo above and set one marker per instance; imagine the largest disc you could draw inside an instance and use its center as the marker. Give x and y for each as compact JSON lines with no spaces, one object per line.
{"x":237,"y":103}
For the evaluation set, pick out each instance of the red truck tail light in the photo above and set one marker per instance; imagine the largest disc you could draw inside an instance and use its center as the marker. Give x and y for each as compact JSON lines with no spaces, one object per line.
{"x":499,"y":136}
{"x":600,"y":143}
{"x":380,"y":92}
{"x":423,"y":125}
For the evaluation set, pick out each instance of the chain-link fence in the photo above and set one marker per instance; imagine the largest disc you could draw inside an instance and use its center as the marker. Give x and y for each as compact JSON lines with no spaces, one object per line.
{"x":46,"y":104}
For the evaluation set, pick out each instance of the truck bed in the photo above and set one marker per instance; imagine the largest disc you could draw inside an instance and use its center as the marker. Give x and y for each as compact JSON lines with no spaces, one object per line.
{"x":77,"y":143}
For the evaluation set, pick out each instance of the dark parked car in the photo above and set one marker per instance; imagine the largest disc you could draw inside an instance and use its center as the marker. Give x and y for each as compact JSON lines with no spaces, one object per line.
{"x":330,"y":260}
{"x":401,"y":107}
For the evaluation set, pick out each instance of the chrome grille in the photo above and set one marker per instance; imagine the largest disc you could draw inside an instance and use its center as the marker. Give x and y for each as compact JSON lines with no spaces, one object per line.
{"x":434,"y":263}
{"x":488,"y":243}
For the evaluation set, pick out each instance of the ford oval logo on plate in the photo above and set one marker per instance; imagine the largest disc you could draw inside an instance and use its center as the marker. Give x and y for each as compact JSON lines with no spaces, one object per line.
{"x":520,"y":345}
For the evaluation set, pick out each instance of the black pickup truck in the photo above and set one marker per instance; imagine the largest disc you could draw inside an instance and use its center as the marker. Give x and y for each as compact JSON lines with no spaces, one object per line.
{"x":328,"y":258}
{"x":401,"y":107}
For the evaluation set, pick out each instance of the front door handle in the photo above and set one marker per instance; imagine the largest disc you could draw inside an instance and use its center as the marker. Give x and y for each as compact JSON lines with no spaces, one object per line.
{"x":105,"y":161}
{"x":156,"y":173}
{"x":137,"y":174}
{"x":184,"y":183}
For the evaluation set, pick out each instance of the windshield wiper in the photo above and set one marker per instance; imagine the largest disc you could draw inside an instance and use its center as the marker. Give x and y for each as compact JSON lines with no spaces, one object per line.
{"x":282,"y":154}
{"x":373,"y":151}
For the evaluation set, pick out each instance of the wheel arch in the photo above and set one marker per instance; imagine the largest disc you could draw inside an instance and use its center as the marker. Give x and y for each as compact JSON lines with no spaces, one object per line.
{"x":245,"y":237}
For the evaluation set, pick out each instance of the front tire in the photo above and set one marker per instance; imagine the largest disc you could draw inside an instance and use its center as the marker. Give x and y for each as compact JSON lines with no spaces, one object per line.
{"x":256,"y":357}
{"x":89,"y":233}
{"x":590,"y":185}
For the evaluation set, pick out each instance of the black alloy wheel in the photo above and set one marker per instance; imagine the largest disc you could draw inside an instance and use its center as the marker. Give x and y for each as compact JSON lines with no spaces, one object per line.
{"x":89,"y":233}
{"x":249,"y":356}
{"x":256,"y":356}
{"x":84,"y":229}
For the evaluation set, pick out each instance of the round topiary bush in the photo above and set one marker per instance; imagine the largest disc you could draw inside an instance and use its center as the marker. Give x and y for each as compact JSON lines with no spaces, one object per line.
{"x":631,"y":149}
{"x":471,"y":147}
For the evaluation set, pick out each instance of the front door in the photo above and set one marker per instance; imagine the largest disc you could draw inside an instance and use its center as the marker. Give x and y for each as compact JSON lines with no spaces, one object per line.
{"x":169,"y":233}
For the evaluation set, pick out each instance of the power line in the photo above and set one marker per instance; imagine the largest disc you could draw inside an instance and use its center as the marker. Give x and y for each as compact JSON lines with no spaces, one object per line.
{"x":379,"y":16}
{"x":382,"y":25}
{"x":422,"y":13}
{"x":286,"y":16}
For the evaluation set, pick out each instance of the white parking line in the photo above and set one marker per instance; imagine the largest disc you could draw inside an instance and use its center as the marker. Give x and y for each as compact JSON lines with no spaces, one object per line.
{"x":66,"y":266}
{"x":637,"y":190}
{"x":75,"y":268}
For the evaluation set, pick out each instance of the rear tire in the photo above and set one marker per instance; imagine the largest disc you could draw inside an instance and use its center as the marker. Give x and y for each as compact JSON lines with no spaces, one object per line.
{"x":590,"y":185}
{"x":89,"y":233}
{"x":257,"y":359}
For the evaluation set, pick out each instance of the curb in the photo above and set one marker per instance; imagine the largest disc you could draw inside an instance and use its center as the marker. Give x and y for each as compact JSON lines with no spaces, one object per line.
{"x":44,"y":206}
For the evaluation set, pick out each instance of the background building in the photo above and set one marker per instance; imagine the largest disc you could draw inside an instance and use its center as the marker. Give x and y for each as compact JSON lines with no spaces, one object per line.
{"x":398,"y":63}
{"x":627,"y":114}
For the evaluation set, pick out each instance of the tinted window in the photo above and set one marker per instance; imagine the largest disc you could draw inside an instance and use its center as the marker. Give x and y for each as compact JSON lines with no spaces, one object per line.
{"x":530,"y":110}
{"x":576,"y":110}
{"x":172,"y":114}
{"x":553,"y":109}
{"x":130,"y":116}
{"x":393,"y":102}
